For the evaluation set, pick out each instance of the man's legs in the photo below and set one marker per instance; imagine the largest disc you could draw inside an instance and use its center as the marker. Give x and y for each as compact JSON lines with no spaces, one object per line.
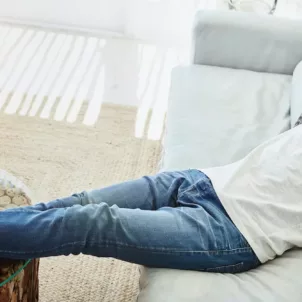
{"x":181,"y":233}
{"x":146,"y":193}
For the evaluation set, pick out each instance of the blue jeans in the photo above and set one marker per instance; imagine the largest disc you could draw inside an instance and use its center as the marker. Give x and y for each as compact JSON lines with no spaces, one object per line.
{"x":170,"y":220}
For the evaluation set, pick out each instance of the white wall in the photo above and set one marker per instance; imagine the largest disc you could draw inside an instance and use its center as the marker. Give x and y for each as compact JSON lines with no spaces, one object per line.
{"x":166,"y":21}
{"x":97,"y":14}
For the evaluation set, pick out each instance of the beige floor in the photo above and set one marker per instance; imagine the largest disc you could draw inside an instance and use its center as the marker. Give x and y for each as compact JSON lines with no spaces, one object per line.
{"x":56,"y":159}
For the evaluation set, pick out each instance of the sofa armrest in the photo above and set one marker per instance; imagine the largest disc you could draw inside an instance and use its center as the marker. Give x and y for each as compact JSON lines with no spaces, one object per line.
{"x":249,"y":41}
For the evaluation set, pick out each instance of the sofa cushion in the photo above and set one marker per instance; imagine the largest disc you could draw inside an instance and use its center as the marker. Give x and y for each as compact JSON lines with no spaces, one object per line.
{"x":217,"y":115}
{"x":277,"y":281}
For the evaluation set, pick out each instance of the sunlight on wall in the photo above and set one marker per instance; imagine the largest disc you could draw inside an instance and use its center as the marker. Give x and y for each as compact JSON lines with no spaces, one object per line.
{"x":52,"y":75}
{"x":148,"y":77}
{"x":27,"y":78}
{"x":153,"y":89}
{"x":37,"y":87}
{"x":15,"y":47}
{"x":95,"y":102}
{"x":41,"y":71}
{"x":93,"y":79}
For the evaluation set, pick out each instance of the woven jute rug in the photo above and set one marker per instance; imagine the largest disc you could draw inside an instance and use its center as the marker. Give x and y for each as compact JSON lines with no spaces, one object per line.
{"x":56,"y":159}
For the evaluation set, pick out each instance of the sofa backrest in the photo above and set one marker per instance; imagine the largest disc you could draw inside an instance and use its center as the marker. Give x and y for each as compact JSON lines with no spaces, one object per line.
{"x":249,"y":41}
{"x":217,"y":115}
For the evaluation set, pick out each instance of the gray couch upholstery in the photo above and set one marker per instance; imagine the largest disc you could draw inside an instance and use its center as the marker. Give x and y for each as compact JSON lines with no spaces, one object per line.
{"x":243,"y":87}
{"x":247,"y":41}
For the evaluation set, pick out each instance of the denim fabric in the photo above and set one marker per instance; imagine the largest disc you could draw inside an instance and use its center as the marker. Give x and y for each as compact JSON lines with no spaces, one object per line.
{"x":170,"y":220}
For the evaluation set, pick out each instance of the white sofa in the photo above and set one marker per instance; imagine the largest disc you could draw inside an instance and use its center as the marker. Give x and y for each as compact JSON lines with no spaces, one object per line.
{"x":244,"y":86}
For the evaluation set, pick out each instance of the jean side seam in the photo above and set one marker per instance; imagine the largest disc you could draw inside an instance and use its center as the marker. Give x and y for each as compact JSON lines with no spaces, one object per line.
{"x":149,"y":249}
